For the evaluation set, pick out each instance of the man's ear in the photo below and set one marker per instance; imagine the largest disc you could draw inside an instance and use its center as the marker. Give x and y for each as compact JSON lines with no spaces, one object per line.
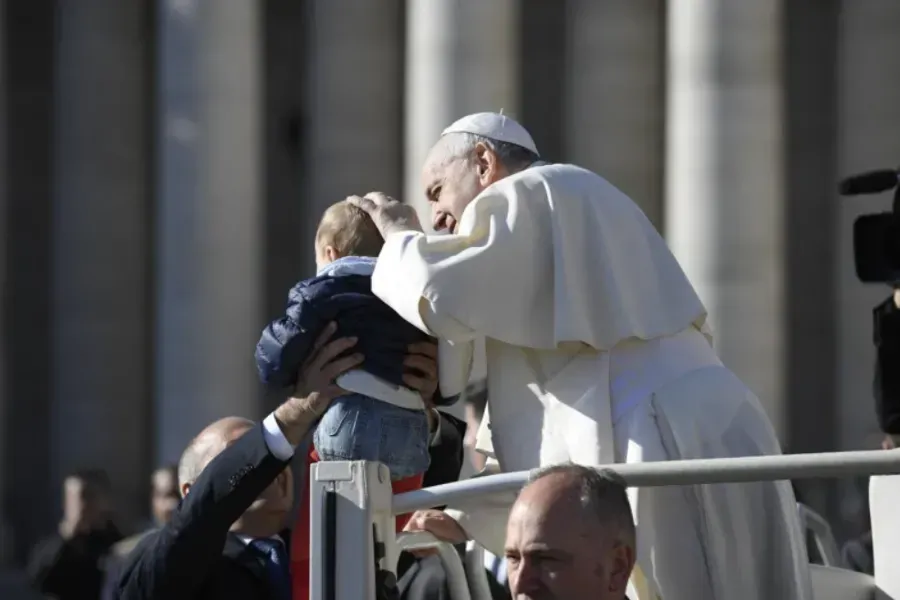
{"x":487,"y":164}
{"x":185,"y":488}
{"x":622,"y":565}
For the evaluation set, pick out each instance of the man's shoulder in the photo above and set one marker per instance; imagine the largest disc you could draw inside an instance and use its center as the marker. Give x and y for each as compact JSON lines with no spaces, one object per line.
{"x":557,"y":177}
{"x":556,"y":171}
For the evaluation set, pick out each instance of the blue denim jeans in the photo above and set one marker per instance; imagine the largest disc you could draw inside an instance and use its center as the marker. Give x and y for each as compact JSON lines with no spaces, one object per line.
{"x":357,"y":427}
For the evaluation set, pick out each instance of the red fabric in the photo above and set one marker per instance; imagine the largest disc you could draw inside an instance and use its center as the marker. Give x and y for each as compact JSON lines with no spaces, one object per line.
{"x":300,"y":535}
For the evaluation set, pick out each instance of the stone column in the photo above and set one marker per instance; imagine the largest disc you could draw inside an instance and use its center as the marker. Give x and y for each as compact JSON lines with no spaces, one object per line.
{"x":461,"y":58}
{"x":614,"y":105}
{"x":209,"y":215}
{"x":723,"y":188}
{"x":100,"y":297}
{"x":355,"y":106}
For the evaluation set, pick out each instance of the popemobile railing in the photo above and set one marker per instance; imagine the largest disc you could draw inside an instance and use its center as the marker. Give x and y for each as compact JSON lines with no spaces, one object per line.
{"x":352,"y":507}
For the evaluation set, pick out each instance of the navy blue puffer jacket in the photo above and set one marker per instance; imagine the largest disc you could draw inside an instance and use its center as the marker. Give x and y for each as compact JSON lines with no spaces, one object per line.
{"x":342,"y":294}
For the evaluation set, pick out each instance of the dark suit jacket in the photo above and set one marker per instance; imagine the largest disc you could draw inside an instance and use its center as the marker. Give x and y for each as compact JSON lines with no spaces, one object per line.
{"x":194,"y":556}
{"x":446,"y":452}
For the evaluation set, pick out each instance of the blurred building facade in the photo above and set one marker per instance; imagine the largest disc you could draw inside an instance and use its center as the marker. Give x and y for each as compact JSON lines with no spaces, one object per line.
{"x":164,"y":163}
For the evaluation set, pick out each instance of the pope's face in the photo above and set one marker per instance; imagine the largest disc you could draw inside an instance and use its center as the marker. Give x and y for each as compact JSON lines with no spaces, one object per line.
{"x":451,"y":183}
{"x":449,"y":186}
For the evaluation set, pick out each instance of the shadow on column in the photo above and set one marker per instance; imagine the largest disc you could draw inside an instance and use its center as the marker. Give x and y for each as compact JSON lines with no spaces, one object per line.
{"x":31,"y":498}
{"x":810,"y":109}
{"x":541,"y":51}
{"x":286,"y":127}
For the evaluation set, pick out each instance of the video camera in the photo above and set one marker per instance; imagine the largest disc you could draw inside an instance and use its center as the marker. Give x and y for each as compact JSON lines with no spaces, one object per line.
{"x":876,"y":237}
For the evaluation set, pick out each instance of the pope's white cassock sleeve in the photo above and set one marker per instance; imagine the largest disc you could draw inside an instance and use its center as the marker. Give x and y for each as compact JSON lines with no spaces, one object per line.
{"x":555,"y":256}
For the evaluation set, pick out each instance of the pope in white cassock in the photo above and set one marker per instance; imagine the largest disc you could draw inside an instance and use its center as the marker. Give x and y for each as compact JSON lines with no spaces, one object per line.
{"x":597,"y":352}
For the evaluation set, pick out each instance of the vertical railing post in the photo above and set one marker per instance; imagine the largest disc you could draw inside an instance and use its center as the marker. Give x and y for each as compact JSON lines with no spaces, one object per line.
{"x":351,"y":529}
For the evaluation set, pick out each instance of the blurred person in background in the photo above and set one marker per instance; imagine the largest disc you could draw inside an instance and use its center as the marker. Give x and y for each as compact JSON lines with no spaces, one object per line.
{"x":164,"y":499}
{"x":598,"y":351}
{"x":70,"y":563}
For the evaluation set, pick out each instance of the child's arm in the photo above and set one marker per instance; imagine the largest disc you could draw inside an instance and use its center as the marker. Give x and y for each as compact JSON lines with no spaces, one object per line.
{"x":286,"y":342}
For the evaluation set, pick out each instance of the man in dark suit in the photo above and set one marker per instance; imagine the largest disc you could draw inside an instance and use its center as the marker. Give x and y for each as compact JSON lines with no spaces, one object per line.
{"x":223,"y":540}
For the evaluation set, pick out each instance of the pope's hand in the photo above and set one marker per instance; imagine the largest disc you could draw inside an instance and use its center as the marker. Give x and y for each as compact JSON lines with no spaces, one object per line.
{"x":389,"y":215}
{"x":440,"y":525}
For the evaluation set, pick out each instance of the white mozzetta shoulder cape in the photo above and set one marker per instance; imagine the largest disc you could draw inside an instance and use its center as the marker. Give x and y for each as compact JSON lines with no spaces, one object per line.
{"x":552,"y":254}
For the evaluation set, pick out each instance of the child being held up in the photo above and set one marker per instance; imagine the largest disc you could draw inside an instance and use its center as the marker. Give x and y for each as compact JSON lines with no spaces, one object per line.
{"x":379,"y":419}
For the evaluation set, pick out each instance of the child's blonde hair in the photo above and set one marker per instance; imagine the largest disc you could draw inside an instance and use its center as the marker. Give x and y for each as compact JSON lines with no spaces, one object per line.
{"x":349,"y":230}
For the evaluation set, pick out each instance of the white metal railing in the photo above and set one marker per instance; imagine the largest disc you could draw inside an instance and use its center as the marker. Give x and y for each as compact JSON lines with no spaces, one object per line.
{"x":352,"y":501}
{"x":823,"y":536}
{"x":675,"y":472}
{"x":457,"y":582}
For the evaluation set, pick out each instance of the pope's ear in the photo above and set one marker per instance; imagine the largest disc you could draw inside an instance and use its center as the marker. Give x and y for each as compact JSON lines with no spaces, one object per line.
{"x":487,"y":163}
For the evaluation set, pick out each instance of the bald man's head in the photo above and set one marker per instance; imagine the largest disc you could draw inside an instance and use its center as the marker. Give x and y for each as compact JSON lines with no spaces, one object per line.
{"x":571,"y":535}
{"x":208,"y":444}
{"x":268,"y":513}
{"x":599,"y":493}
